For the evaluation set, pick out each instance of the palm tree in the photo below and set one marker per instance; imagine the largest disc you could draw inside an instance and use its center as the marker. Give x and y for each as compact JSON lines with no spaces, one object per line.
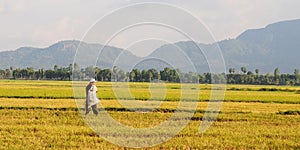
{"x":244,"y":70}
{"x":132,"y":75}
{"x":256,"y":71}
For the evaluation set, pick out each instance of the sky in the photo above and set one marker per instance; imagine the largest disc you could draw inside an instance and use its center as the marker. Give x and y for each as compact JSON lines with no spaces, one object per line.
{"x":42,"y":23}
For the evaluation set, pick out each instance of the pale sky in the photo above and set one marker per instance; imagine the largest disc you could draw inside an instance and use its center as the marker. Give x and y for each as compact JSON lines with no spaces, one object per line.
{"x":40,"y":23}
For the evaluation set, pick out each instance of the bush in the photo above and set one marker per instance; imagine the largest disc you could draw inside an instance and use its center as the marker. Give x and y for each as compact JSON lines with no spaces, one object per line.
{"x":268,"y":89}
{"x":290,"y":112}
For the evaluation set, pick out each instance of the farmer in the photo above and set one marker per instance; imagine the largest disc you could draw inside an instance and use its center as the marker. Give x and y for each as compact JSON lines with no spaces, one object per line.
{"x":91,"y":97}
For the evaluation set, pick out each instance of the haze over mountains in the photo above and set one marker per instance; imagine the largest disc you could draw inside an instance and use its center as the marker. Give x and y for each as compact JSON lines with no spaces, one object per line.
{"x":276,"y":45}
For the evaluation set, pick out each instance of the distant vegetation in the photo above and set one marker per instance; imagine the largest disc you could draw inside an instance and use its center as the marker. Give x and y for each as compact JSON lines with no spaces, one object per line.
{"x":167,"y":74}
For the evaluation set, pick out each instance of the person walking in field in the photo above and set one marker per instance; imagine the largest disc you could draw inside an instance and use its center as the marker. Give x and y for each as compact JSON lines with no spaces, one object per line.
{"x":91,"y":97}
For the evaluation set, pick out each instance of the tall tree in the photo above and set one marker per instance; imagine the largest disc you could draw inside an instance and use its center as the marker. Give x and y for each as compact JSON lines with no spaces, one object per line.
{"x":244,"y":70}
{"x":55,"y":73}
{"x":70,"y":71}
{"x":230,"y":70}
{"x":150,"y":76}
{"x":97,"y":71}
{"x":115,"y":72}
{"x":107,"y":73}
{"x":233,"y":70}
{"x":154,"y":73}
{"x":144,"y":75}
{"x":42,"y":73}
{"x":276,"y":76}
{"x":257,"y":71}
{"x":2,"y":74}
{"x":90,"y":72}
{"x":276,"y":73}
{"x":76,"y":72}
{"x":122,"y":76}
{"x":297,"y":76}
{"x":137,"y":73}
{"x":17,"y":73}
{"x":132,"y":76}
{"x":49,"y":74}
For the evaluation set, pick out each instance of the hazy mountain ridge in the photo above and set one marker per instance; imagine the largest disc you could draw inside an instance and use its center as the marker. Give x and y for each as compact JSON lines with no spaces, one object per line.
{"x":62,"y":54}
{"x":276,"y":45}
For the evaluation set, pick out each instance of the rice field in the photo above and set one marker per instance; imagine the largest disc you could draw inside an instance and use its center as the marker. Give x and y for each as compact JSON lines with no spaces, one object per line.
{"x":44,"y":115}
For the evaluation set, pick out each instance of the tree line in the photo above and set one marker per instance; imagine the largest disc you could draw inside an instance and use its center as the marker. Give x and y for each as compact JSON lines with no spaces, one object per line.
{"x":74,"y":72}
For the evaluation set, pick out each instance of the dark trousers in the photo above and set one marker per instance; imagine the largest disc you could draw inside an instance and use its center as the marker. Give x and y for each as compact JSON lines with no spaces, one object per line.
{"x":94,"y":108}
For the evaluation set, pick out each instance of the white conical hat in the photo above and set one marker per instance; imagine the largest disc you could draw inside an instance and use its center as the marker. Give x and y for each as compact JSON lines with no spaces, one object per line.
{"x":92,"y":80}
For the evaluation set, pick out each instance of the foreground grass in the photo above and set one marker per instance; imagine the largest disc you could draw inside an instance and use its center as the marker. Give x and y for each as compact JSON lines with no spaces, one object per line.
{"x":142,"y":91}
{"x":43,"y":114}
{"x":227,"y":107}
{"x":42,"y":128}
{"x":34,"y":124}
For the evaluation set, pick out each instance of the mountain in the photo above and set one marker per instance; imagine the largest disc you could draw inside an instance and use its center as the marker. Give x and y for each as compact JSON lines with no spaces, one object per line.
{"x":184,"y":55}
{"x":276,"y":45}
{"x":63,"y":54}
